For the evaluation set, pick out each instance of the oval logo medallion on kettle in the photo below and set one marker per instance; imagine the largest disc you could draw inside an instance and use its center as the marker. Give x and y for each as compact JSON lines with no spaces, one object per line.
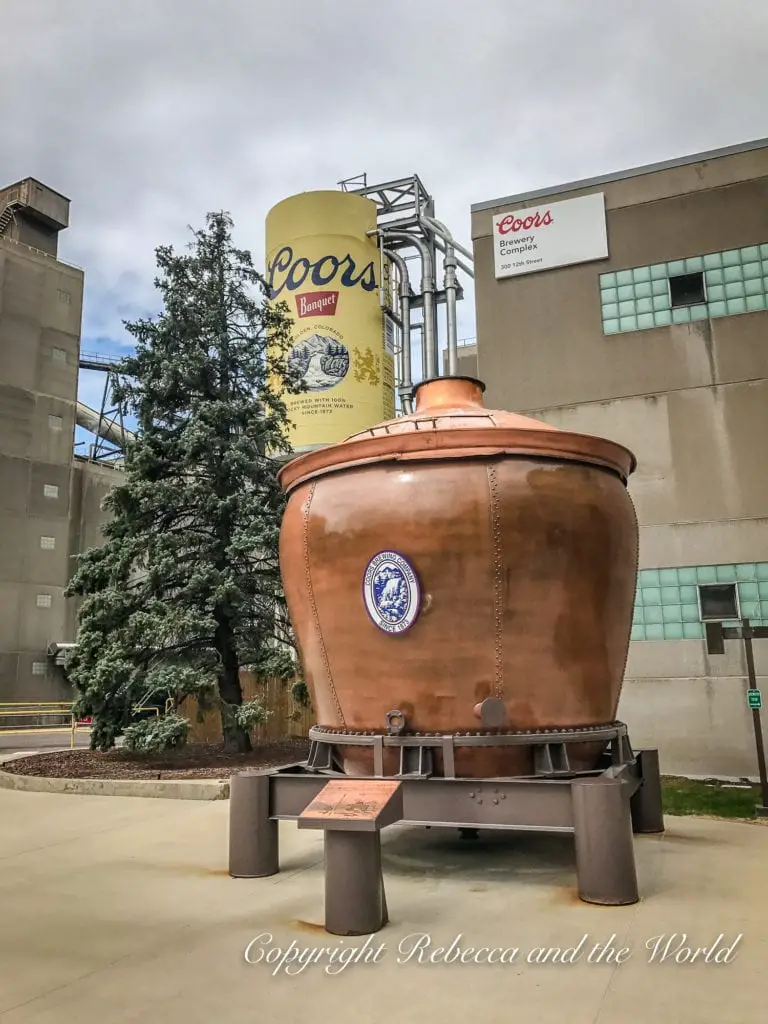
{"x":391,"y":592}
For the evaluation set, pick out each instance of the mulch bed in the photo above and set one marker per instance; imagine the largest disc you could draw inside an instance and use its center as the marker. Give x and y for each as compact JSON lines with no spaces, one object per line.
{"x":200,"y":761}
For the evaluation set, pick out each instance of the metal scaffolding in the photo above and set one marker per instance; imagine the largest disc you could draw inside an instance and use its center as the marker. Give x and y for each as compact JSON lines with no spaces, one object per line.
{"x":107,"y":423}
{"x":407,"y":229}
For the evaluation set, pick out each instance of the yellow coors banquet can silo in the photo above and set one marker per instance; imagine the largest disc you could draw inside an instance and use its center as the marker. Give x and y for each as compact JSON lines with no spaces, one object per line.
{"x":323,"y":263}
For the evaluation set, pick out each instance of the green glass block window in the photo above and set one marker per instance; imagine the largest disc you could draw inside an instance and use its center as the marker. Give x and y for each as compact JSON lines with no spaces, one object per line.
{"x":685,"y":291}
{"x":668,"y":601}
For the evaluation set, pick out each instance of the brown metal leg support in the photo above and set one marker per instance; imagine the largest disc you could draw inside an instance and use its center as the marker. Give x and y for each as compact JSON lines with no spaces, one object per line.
{"x":354,"y":887}
{"x":253,"y":850}
{"x":646,"y":803}
{"x":605,"y":856}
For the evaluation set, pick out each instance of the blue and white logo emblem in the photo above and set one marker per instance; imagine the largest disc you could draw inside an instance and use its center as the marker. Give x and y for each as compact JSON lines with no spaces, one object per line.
{"x":391,"y":592}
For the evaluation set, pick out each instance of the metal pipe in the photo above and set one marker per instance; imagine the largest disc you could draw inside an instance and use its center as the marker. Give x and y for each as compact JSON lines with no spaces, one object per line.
{"x":449,"y":264}
{"x":406,"y":382}
{"x":442,"y":245}
{"x":424,"y":374}
{"x":109,"y":430}
{"x":428,"y":291}
{"x":437,"y":226}
{"x":436,"y":325}
{"x":423,"y":212}
{"x":450,"y":284}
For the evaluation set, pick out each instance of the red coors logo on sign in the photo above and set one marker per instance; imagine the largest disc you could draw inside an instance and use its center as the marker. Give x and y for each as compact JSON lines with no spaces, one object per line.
{"x":317,"y":303}
{"x":512,"y":223}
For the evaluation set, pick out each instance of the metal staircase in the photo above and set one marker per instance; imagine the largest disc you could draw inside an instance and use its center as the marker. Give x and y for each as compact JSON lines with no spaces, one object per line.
{"x":6,"y":216}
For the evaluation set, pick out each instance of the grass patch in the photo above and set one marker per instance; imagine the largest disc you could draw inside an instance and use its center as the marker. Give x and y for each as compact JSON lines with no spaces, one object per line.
{"x":684,"y":796}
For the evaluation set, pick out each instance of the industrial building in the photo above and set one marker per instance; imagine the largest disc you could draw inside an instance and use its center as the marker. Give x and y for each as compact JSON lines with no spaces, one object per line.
{"x":632,"y":306}
{"x":635,"y":306}
{"x":49,"y":499}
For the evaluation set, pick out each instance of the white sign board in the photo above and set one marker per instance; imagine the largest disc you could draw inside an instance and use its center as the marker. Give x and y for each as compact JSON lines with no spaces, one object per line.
{"x":553,"y":235}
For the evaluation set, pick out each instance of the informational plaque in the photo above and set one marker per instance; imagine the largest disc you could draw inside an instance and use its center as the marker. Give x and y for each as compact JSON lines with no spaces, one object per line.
{"x":365,"y":805}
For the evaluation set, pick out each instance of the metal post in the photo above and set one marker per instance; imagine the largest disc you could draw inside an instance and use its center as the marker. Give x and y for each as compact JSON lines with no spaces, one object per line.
{"x":449,"y":264}
{"x":253,"y":846}
{"x":354,"y":886}
{"x":605,"y":856}
{"x":420,"y":328}
{"x":746,"y":632}
{"x":428,"y":334}
{"x":646,"y":803}
{"x":436,"y":368}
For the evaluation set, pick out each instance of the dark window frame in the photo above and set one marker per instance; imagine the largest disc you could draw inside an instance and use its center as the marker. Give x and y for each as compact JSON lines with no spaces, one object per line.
{"x":687,"y":298}
{"x":719,"y":586}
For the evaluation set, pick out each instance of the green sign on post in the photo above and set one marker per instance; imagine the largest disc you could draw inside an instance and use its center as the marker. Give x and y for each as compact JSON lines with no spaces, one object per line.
{"x":754,"y":699}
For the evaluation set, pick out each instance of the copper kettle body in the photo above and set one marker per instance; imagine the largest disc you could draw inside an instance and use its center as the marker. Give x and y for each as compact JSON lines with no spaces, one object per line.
{"x":461,"y":558}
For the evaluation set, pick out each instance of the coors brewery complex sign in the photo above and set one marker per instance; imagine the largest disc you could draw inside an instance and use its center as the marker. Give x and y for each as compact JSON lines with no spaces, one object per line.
{"x":323,"y":263}
{"x":553,"y":235}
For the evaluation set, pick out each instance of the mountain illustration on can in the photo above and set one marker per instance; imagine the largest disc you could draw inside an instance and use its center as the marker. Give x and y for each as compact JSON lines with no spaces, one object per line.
{"x":322,"y":362}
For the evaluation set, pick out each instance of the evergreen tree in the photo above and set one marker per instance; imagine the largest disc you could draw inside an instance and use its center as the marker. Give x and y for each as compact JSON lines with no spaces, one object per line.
{"x":185,"y":590}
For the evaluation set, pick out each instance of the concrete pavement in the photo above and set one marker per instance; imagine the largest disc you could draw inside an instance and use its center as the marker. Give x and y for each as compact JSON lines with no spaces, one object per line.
{"x":118,"y":909}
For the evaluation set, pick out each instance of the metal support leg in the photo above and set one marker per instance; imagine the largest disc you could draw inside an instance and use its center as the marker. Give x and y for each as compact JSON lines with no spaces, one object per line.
{"x":646,"y":804}
{"x":605,"y":856}
{"x":253,"y":851}
{"x":354,"y":887}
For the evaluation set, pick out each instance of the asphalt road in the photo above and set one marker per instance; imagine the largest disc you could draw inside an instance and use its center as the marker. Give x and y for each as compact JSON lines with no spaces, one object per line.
{"x":13,"y":743}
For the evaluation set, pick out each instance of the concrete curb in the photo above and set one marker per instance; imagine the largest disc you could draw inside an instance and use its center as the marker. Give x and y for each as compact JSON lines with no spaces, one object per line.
{"x":168,"y":789}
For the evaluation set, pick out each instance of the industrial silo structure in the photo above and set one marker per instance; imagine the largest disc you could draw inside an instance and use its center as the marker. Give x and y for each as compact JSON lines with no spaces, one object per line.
{"x":323,"y":261}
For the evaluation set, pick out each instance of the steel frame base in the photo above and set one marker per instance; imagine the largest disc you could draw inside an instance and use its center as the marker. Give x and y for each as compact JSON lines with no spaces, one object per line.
{"x":602,"y":809}
{"x":417,"y":751}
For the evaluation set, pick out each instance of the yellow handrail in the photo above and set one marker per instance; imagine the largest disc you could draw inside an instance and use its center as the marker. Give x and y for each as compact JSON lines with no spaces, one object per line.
{"x":38,"y":709}
{"x":7,"y":708}
{"x":37,"y":712}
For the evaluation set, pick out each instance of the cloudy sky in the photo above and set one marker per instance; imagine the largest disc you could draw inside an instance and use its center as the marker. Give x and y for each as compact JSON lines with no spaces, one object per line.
{"x":149,"y":113}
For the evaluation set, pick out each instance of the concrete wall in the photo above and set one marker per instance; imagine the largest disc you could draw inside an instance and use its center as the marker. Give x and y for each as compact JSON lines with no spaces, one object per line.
{"x":35,"y":234}
{"x":692,"y":706}
{"x":38,"y":221}
{"x":40,"y":312}
{"x":540,"y":337}
{"x":698,"y":487}
{"x":467,"y":359}
{"x":50,"y":502}
{"x":691,"y":400}
{"x":91,"y":483}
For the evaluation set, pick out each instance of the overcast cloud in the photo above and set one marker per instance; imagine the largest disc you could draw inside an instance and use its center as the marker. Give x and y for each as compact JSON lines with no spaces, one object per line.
{"x":149,"y":113}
